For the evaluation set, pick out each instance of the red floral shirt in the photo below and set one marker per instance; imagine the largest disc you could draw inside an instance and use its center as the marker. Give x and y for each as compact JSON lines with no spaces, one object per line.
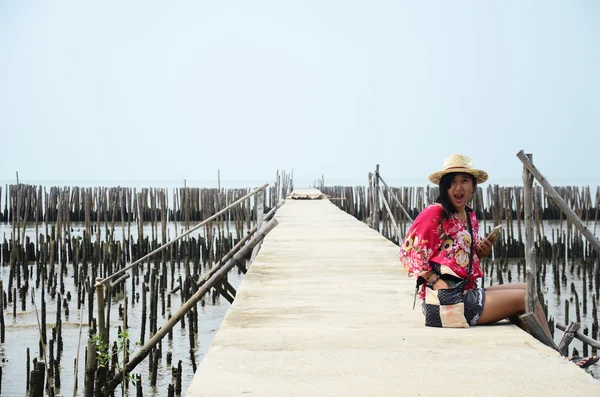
{"x":446,"y":241}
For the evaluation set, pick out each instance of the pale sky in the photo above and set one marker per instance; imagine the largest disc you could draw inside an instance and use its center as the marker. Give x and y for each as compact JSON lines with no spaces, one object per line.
{"x":166,"y":90}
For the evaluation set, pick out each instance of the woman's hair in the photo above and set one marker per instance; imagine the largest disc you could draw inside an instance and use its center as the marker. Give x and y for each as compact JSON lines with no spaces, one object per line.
{"x":443,"y":198}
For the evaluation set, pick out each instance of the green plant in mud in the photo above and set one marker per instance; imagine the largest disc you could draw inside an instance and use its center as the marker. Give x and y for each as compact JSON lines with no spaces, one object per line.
{"x":104,"y":355}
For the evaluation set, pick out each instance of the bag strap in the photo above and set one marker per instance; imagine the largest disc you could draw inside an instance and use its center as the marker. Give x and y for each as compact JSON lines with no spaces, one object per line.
{"x":420,"y":280}
{"x":472,"y":246}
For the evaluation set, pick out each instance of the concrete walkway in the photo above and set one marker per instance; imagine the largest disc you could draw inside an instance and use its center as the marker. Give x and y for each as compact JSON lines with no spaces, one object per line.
{"x":326,"y":310}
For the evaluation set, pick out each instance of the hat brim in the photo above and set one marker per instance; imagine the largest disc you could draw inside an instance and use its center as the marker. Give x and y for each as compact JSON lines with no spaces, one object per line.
{"x":480,"y":176}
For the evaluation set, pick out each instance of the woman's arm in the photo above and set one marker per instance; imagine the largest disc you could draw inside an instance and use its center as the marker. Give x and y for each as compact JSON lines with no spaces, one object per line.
{"x":434,"y":279}
{"x":422,"y":240}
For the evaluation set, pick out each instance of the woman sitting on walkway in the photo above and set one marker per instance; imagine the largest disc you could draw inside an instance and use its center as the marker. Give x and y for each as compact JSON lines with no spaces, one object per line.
{"x":438,"y":250}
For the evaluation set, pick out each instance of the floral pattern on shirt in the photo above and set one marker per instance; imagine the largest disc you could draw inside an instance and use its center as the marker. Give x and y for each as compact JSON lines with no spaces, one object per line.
{"x":435,"y":238}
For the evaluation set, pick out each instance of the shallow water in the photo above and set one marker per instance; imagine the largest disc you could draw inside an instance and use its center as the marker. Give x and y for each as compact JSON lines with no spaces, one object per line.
{"x":22,"y":333}
{"x":22,"y":330}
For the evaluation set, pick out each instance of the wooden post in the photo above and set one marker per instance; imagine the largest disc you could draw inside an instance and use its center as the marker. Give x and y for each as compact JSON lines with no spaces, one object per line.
{"x":90,"y":369}
{"x":395,"y":198}
{"x":36,"y":381}
{"x":260,"y":208}
{"x":529,"y":246}
{"x":529,"y":318}
{"x":563,"y":346}
{"x":2,"y":328}
{"x":392,"y":219}
{"x":370,"y":201}
{"x":376,"y":199}
{"x":580,"y":336}
{"x":103,"y":332}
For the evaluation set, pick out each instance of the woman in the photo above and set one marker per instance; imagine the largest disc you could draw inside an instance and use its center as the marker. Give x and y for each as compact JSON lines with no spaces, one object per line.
{"x":437,"y":250}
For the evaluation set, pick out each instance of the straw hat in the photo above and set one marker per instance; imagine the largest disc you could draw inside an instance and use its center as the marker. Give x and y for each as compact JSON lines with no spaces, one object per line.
{"x":458,"y":163}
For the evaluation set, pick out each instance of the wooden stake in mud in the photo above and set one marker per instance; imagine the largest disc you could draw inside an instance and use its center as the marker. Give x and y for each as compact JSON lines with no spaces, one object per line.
{"x":260,"y":207}
{"x":36,"y":381}
{"x":529,"y":318}
{"x":2,"y":329}
{"x":370,"y":201}
{"x":529,"y":246}
{"x":376,"y":199}
{"x":395,"y":198}
{"x":391,"y":216}
{"x":103,"y":332}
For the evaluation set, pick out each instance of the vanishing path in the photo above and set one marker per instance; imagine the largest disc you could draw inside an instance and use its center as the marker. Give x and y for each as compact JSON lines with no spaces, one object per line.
{"x":326,"y":310}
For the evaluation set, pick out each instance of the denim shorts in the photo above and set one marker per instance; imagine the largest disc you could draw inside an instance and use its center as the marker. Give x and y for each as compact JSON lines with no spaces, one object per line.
{"x":474,"y":302}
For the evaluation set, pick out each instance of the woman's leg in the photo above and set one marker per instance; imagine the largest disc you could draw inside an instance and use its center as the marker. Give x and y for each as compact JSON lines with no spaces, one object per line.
{"x":509,"y":300}
{"x":539,"y":311}
{"x":518,"y":286}
{"x":507,"y":286}
{"x":522,"y":286}
{"x":501,"y":303}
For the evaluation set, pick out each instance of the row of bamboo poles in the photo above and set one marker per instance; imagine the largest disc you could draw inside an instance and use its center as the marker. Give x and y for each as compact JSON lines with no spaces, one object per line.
{"x":78,"y":204}
{"x":72,"y":207}
{"x":493,"y":205}
{"x":85,"y":235}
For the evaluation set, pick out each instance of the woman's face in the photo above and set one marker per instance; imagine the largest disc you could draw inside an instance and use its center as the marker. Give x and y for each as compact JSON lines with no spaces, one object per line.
{"x":460,"y":191}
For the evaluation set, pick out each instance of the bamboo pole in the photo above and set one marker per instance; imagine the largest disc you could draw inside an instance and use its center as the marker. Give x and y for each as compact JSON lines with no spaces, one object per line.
{"x":259,"y":208}
{"x":394,"y":197}
{"x":529,"y":245}
{"x":162,"y":247}
{"x":102,"y":330}
{"x":580,"y":336}
{"x":376,"y":199}
{"x":370,"y":201}
{"x":391,"y":216}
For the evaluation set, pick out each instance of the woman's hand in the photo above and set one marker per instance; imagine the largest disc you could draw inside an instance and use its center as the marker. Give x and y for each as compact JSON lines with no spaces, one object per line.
{"x":484,"y":247}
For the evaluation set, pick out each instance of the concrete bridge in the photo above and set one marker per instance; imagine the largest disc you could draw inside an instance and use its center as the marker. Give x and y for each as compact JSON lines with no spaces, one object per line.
{"x":326,"y":310}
